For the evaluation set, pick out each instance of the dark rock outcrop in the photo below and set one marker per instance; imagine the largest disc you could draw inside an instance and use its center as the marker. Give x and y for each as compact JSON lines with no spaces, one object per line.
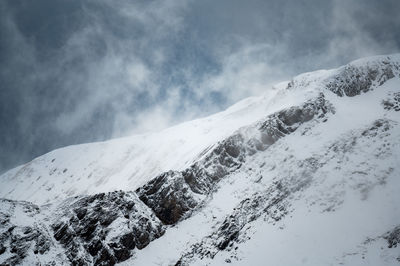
{"x":392,"y":102}
{"x":173,"y":194}
{"x":104,"y":228}
{"x":169,"y":196}
{"x":18,"y":239}
{"x":393,"y":237}
{"x":353,"y":80}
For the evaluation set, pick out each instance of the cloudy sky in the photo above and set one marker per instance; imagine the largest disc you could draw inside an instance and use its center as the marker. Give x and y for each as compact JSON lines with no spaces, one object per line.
{"x":75,"y":71}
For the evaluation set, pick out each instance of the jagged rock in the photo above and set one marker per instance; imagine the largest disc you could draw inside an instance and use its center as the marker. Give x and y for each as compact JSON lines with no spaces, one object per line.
{"x":169,"y":196}
{"x":2,"y":249}
{"x":88,"y":223}
{"x":288,"y":120}
{"x":353,"y":80}
{"x":392,"y":102}
{"x":393,"y":237}
{"x":102,"y":229}
{"x":17,"y":238}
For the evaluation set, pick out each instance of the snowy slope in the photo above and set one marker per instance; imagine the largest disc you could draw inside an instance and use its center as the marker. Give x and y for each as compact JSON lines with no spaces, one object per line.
{"x":307,"y":174}
{"x":118,"y":164}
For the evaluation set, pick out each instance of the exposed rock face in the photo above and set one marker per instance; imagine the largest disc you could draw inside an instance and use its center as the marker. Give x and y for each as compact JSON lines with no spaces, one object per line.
{"x":104,"y":229}
{"x":23,"y":237}
{"x":393,"y":237}
{"x":392,"y":102}
{"x":173,"y":194}
{"x":354,"y":80}
{"x":169,"y":196}
{"x":287,"y":121}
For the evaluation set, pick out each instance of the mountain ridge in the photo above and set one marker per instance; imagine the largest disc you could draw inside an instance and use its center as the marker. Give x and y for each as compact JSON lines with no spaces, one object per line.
{"x":316,"y":126}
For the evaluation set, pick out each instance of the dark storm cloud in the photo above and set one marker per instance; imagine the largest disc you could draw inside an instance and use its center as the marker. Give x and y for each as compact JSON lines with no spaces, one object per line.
{"x":79,"y":71}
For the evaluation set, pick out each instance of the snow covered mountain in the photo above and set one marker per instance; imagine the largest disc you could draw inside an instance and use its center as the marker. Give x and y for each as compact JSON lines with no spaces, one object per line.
{"x":307,"y":174}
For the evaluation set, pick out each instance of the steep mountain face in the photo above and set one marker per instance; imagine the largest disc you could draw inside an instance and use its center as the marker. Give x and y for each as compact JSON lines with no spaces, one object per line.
{"x":306,"y":174}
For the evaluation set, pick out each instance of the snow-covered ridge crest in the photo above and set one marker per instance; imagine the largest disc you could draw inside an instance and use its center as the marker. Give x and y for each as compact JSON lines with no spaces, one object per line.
{"x":354,"y":78}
